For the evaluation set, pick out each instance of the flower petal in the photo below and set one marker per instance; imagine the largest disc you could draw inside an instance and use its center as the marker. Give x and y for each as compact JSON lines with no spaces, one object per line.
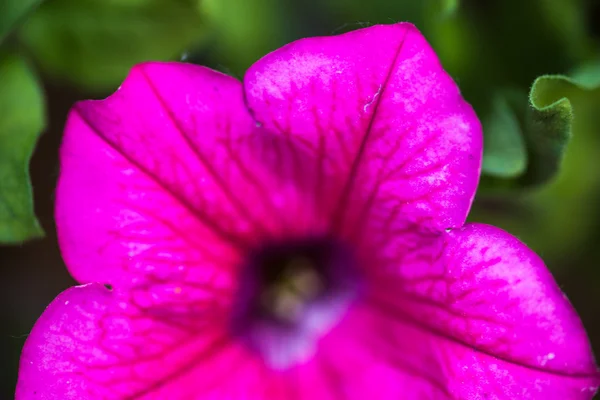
{"x":90,"y":343}
{"x":170,"y":180}
{"x":497,"y":322}
{"x":370,"y":357}
{"x":376,"y":107}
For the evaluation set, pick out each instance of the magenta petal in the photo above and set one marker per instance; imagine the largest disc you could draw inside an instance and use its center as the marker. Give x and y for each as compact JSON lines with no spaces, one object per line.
{"x":496,"y":320}
{"x":91,"y":344}
{"x":170,"y":180}
{"x":376,"y":107}
{"x":129,"y":198}
{"x":369,"y":356}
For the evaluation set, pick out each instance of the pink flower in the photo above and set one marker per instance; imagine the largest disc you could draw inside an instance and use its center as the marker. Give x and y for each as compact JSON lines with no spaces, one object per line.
{"x":297,"y":236}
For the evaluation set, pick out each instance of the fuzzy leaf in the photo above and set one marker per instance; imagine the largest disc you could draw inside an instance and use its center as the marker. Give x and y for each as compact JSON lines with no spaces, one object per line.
{"x":545,"y":126}
{"x":548,"y":125}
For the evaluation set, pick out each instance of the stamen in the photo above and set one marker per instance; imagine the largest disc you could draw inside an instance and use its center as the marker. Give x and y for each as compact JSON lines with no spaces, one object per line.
{"x":299,"y":285}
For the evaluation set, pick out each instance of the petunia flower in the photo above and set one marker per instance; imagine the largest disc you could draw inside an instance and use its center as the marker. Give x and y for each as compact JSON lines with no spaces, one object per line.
{"x":299,"y":235}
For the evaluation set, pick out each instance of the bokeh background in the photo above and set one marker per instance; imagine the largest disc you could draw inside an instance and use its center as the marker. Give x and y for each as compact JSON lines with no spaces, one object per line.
{"x":61,"y":51}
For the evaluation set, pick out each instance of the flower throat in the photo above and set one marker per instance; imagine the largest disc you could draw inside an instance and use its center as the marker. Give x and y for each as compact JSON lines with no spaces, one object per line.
{"x":291,"y":294}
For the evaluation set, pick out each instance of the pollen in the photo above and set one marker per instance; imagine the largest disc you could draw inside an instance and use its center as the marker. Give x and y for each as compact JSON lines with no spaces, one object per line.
{"x":298,"y":285}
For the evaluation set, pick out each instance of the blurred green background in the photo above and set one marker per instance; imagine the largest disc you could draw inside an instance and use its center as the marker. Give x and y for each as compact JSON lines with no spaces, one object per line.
{"x":531,"y":69}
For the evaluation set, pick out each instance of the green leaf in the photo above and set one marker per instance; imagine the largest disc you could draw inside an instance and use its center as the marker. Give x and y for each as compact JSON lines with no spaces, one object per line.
{"x":505,"y":155}
{"x":545,"y":127}
{"x":95,"y":42}
{"x":586,"y":77}
{"x":13,"y":11}
{"x":22,"y":118}
{"x":549,"y":122}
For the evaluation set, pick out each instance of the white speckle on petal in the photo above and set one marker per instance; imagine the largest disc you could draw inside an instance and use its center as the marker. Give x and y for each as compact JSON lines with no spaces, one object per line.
{"x":543,"y":360}
{"x":373,"y":99}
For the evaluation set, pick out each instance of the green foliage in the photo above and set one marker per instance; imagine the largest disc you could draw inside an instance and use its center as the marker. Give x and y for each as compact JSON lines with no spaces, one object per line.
{"x":525,"y":146}
{"x":549,"y":122}
{"x":489,"y":46}
{"x":505,"y":155}
{"x":12,"y":12}
{"x":22,"y":119}
{"x":495,"y":53}
{"x":245,"y":30}
{"x":94,"y":43}
{"x":441,"y":8}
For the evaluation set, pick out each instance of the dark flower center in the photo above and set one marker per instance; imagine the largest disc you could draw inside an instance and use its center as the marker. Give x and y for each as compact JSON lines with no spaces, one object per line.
{"x":291,"y":294}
